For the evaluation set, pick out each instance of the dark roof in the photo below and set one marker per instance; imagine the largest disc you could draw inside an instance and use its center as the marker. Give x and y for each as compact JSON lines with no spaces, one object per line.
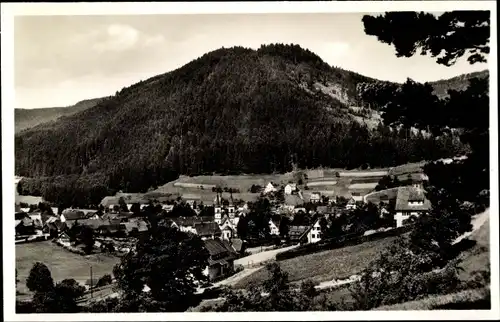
{"x":207,"y":228}
{"x":128,"y":198}
{"x":93,"y":223}
{"x":140,"y":225}
{"x":220,"y":251}
{"x":21,"y":215}
{"x":296,"y":232}
{"x":411,"y":194}
{"x":27,"y":221}
{"x":215,"y":246}
{"x":191,"y":221}
{"x":323,"y":209}
{"x":71,"y":214}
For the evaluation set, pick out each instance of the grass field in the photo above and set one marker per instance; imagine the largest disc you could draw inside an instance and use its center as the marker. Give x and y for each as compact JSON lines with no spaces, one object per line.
{"x":61,"y":263}
{"x":324,"y":266}
{"x":459,"y":300}
{"x":478,"y":257}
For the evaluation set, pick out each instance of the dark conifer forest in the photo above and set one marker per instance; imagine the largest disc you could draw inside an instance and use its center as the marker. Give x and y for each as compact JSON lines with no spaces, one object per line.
{"x":230,"y":111}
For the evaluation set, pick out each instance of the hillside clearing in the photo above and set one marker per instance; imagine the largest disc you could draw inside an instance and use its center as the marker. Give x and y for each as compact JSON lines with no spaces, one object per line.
{"x":324,"y":266}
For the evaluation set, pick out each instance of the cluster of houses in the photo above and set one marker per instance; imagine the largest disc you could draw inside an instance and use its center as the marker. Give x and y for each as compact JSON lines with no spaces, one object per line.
{"x":219,"y":232}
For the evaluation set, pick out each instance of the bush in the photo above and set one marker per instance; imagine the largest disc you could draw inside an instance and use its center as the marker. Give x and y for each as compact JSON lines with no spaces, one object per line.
{"x":104,"y":280}
{"x":400,"y":275}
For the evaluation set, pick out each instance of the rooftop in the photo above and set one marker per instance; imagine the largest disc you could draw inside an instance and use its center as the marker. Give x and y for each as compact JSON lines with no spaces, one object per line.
{"x":411,"y":194}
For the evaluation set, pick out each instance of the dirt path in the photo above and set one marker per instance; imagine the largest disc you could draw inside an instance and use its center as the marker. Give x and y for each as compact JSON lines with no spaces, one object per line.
{"x":477,"y":221}
{"x":238,"y":276}
{"x":261,"y":257}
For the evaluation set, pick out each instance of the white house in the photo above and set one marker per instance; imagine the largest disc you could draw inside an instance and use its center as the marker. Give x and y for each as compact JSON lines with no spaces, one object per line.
{"x":314,"y":233}
{"x":297,"y":209}
{"x":274,"y":228}
{"x":167,"y":208}
{"x":410,"y":201}
{"x":72,"y":214}
{"x":228,"y":229}
{"x":290,"y":188}
{"x":269,"y":188}
{"x":315,"y":197}
{"x":351,"y":204}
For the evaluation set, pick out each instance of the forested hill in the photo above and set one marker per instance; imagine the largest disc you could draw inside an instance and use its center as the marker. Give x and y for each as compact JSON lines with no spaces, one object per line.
{"x":27,"y":118}
{"x":460,"y":82}
{"x":230,"y":111}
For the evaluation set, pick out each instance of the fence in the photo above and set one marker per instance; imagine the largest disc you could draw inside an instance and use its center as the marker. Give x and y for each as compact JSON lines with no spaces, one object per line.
{"x":340,"y":242}
{"x":32,"y":239}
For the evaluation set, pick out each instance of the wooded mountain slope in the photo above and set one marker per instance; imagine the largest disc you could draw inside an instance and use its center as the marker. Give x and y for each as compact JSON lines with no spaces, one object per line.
{"x":230,"y":111}
{"x":27,"y":118}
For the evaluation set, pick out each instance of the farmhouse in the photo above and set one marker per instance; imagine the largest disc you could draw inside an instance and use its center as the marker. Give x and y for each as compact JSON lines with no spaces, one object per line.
{"x":315,"y":197}
{"x":207,"y":230}
{"x":410,"y":201}
{"x":269,"y":188}
{"x":136,"y":228}
{"x":167,"y":208}
{"x":228,"y":229}
{"x":221,"y":260}
{"x":290,"y":188}
{"x":37,"y":219}
{"x":314,"y":233}
{"x":351,"y":204}
{"x":273,"y":227}
{"x":72,"y":215}
{"x":298,"y":234}
{"x":191,"y":199}
{"x":53,"y":226}
{"x":24,"y":224}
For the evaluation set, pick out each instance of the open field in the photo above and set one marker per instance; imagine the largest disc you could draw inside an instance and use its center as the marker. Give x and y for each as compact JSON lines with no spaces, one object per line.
{"x":376,"y":196}
{"x":407,"y":168}
{"x":324,"y":266}
{"x":359,"y":186}
{"x":322,"y":183}
{"x":61,"y":263}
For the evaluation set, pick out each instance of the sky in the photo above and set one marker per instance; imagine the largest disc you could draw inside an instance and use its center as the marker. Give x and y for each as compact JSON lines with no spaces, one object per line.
{"x":60,"y":60}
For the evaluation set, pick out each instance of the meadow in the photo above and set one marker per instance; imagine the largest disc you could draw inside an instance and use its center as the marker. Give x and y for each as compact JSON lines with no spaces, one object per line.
{"x":324,"y":266}
{"x":61,"y":263}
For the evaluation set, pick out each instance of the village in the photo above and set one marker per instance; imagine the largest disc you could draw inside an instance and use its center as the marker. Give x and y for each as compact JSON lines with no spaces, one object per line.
{"x":229,"y":228}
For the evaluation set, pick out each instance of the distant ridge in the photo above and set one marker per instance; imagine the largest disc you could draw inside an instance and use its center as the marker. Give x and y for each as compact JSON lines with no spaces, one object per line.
{"x":27,"y":118}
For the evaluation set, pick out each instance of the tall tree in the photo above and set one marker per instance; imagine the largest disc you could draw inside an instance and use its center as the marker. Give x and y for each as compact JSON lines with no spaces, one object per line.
{"x":453,"y":34}
{"x":40,"y":279}
{"x":170,"y":263}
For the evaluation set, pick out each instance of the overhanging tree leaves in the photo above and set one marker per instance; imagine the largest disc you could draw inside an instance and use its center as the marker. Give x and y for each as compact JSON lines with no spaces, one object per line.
{"x":447,"y":37}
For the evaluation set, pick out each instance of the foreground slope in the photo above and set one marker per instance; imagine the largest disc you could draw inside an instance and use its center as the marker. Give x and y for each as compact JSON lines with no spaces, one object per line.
{"x":232,"y":110}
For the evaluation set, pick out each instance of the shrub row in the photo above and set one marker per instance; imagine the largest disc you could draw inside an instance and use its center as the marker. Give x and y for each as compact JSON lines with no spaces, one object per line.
{"x":339,"y":242}
{"x":69,"y":248}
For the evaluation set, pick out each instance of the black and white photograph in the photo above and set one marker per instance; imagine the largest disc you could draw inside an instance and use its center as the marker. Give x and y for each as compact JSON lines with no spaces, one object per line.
{"x":294,"y":161}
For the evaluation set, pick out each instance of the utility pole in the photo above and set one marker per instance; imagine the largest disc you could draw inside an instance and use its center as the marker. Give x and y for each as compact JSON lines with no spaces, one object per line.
{"x":91,"y":283}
